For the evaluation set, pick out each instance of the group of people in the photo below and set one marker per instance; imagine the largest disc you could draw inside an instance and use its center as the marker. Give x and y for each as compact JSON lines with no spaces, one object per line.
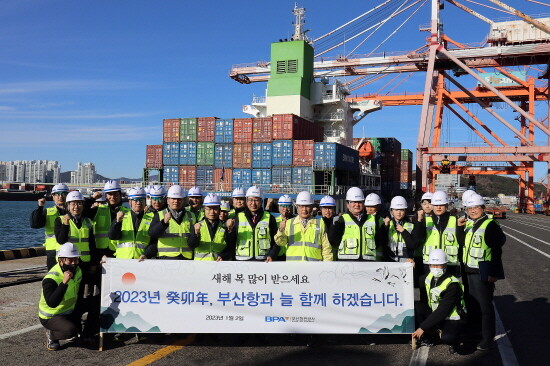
{"x":456,"y":259}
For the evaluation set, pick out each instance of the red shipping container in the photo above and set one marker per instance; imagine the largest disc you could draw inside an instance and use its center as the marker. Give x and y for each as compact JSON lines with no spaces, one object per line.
{"x":206,"y":127}
{"x":261,"y":129}
{"x":225,"y":185}
{"x":242,"y":130}
{"x":242,"y":156}
{"x":292,"y":127}
{"x":188,"y":176}
{"x":171,"y":130}
{"x":153,"y":156}
{"x":302,"y":152}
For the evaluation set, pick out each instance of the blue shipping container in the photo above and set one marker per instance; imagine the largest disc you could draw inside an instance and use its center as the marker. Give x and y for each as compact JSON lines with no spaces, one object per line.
{"x":281,"y":176}
{"x":261,"y":156}
{"x":261,"y":178}
{"x":170,"y":153}
{"x":302,"y":178}
{"x":242,"y":178}
{"x":333,"y":156}
{"x":171,"y":174}
{"x":205,"y":178}
{"x":188,"y":153}
{"x":282,"y":153}
{"x":224,"y":131}
{"x":223,"y":156}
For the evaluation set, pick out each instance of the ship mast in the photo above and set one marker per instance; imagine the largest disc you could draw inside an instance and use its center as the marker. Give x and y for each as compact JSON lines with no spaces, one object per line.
{"x":300,"y":14}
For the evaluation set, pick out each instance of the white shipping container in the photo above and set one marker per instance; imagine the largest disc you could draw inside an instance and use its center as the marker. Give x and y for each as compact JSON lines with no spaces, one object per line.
{"x":518,"y":31}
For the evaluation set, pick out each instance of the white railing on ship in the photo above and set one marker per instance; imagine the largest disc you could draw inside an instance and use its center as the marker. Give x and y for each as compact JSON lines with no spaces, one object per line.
{"x":259,"y":100}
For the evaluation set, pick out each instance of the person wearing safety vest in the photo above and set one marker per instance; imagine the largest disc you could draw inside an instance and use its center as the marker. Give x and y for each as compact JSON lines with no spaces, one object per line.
{"x":59,"y":298}
{"x":208,"y":237}
{"x":73,"y":227}
{"x":444,"y":308}
{"x":225,"y":209}
{"x":130,"y":231}
{"x":425,"y":209}
{"x":481,"y":243}
{"x":373,"y":206}
{"x":171,"y":228}
{"x":238,"y":201}
{"x":439,"y":232}
{"x":403,"y":235}
{"x":157,"y":195}
{"x":43,"y":217}
{"x":253,"y":230}
{"x":195,"y":203}
{"x":103,"y":216}
{"x":355,"y":233}
{"x":304,"y":237}
{"x":285,"y":212}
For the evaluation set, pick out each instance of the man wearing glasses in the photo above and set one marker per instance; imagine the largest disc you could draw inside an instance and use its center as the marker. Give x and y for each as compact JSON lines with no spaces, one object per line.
{"x":45,"y":217}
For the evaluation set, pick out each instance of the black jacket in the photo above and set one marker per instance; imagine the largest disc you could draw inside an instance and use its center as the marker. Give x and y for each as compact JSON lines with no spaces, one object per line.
{"x":448,"y":300}
{"x":38,"y":216}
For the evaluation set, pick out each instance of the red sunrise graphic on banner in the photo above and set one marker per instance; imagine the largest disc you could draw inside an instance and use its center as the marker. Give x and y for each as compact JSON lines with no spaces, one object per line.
{"x":128,"y":278}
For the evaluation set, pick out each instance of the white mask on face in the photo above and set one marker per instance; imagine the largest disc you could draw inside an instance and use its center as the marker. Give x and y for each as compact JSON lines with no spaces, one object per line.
{"x":437,"y":272}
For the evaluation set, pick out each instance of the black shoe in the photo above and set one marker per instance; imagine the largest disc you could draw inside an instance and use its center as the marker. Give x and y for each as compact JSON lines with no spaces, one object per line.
{"x":485,"y":346}
{"x":50,"y":344}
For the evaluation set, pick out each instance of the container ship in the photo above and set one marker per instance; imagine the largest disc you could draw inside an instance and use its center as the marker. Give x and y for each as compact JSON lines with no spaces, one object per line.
{"x":299,"y":137}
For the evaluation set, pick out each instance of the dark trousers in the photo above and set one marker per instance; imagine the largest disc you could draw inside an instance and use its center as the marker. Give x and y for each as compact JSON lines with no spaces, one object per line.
{"x":62,"y":326}
{"x":479,"y":305}
{"x":450,"y":329}
{"x":179,"y":258}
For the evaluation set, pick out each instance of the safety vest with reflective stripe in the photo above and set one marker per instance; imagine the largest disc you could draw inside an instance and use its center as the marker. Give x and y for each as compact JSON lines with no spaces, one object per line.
{"x":397,"y":243}
{"x":209,"y":247}
{"x":358,"y":241}
{"x":173,"y":241}
{"x":475,"y":247}
{"x":102,"y":224}
{"x":253,"y":243}
{"x":50,"y":243}
{"x":132,"y":244}
{"x":434,"y":295}
{"x":446,"y":240}
{"x":199,"y":216}
{"x":81,"y":238}
{"x":282,"y":250}
{"x":304,"y":247}
{"x":67,"y":305}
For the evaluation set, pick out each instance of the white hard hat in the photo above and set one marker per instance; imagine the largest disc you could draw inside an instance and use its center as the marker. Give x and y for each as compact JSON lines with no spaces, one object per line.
{"x":224,"y":206}
{"x":475,"y":200}
{"x":211,"y":200}
{"x":194,"y":192}
{"x":398,"y":203}
{"x":68,"y":250}
{"x":355,"y":194}
{"x":176,"y":191}
{"x":239,"y":193}
{"x":157,"y":191}
{"x":285,"y":200}
{"x":74,"y":196}
{"x":136,"y":193}
{"x":112,"y":186}
{"x":467,"y":194}
{"x":427,"y":196}
{"x":372,"y":200}
{"x":437,"y":256}
{"x":327,"y":201}
{"x":254,"y":191}
{"x":304,"y":199}
{"x":101,"y":198}
{"x":439,"y":198}
{"x":60,"y":187}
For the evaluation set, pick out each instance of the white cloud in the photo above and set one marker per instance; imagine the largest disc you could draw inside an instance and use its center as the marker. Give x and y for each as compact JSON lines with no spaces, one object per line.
{"x":64,"y":85}
{"x":5,"y":108}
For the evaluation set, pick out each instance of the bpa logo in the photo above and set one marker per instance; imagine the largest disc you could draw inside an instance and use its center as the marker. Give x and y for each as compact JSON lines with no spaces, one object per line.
{"x":275,"y":319}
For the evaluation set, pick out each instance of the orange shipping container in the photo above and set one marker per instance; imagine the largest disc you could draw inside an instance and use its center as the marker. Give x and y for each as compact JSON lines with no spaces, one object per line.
{"x":171,"y":130}
{"x":153,"y":156}
{"x":261,"y":129}
{"x":242,"y":156}
{"x":206,"y":127}
{"x":226,"y":184}
{"x":188,"y":176}
{"x":242,"y":130}
{"x":302,"y":152}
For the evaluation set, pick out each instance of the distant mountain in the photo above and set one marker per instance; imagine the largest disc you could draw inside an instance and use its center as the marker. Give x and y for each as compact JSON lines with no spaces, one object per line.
{"x":66,"y":177}
{"x":492,"y":185}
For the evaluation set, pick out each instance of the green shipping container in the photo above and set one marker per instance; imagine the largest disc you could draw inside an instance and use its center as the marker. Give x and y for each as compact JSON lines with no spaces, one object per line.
{"x":188,"y":129}
{"x":205,"y":153}
{"x":406,"y":154}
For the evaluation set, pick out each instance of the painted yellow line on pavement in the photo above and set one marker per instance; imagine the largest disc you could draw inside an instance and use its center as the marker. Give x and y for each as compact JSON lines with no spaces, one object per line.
{"x":163,"y":352}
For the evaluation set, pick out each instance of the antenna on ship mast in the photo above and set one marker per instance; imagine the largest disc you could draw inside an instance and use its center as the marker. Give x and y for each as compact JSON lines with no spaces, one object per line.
{"x":299,"y":33}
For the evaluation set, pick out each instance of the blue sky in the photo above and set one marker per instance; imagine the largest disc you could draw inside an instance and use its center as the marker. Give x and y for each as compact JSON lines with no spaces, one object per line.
{"x":92,"y":81}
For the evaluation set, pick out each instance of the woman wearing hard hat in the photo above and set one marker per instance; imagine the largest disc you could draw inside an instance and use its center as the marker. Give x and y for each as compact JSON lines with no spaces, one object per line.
{"x":403,"y":235}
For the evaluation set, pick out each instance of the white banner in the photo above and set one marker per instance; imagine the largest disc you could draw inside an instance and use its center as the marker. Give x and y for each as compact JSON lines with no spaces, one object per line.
{"x":170,"y":296}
